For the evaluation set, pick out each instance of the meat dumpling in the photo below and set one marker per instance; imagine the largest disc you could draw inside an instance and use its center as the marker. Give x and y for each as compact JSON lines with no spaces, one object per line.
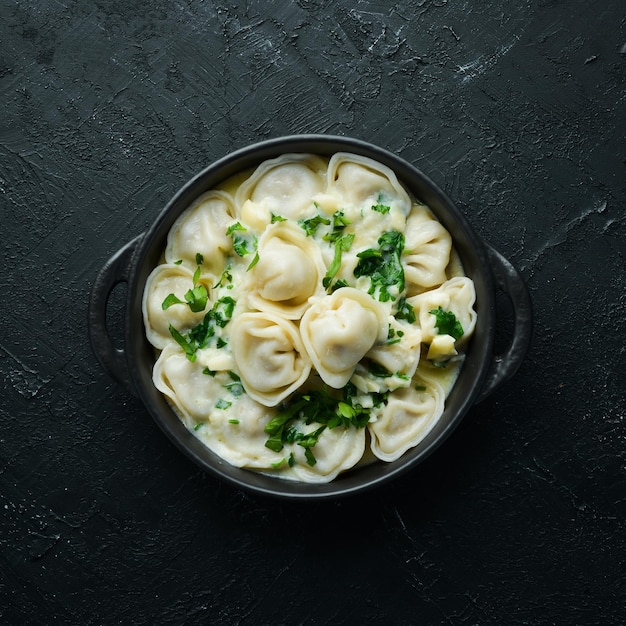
{"x":362,"y":182}
{"x":164,"y":280}
{"x":407,"y":418}
{"x":427,"y":246}
{"x":339,"y":329}
{"x":288,"y":273}
{"x":201,"y":229}
{"x":283,"y":186}
{"x":269,"y":355}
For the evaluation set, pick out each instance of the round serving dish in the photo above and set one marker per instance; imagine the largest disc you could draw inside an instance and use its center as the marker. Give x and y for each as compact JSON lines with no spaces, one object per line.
{"x":481,"y":374}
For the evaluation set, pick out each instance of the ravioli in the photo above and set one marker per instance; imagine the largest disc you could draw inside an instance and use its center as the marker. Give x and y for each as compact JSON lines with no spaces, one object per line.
{"x":308,"y":317}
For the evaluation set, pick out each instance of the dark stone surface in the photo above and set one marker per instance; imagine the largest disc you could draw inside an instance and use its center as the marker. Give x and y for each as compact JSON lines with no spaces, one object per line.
{"x":517,"y":109}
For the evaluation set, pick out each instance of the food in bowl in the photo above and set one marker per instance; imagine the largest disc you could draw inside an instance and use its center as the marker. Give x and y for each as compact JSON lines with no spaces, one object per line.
{"x":309,"y":316}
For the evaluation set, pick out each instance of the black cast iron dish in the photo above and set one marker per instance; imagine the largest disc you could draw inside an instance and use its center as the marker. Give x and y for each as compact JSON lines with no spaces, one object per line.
{"x":481,"y":374}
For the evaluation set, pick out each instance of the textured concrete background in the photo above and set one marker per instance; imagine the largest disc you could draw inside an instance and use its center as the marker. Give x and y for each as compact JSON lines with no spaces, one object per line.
{"x":516,"y":109}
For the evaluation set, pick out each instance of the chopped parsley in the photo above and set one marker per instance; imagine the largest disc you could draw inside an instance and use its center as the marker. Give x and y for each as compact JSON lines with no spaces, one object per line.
{"x":405,"y":311}
{"x":446,"y":323}
{"x":381,"y":208}
{"x":318,"y":407}
{"x":342,"y":244}
{"x":340,"y":221}
{"x":383,"y":265}
{"x":226,"y":277}
{"x":200,"y":335}
{"x":196,"y":297}
{"x":277,"y":218}
{"x":235,"y":387}
{"x":394,"y":336}
{"x":234,"y":228}
{"x":223,"y":404}
{"x":242,"y":244}
{"x":311,"y":224}
{"x":254,"y":261}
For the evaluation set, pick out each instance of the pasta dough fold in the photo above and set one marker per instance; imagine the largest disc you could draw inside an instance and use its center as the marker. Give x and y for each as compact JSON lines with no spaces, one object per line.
{"x":338,"y":330}
{"x":269,"y":355}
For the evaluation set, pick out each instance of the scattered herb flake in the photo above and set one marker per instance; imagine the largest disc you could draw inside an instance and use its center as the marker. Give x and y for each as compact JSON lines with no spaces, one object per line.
{"x":170,"y":300}
{"x":311,"y":224}
{"x":234,"y":227}
{"x":383,"y":265}
{"x":340,"y":221}
{"x":200,"y":335}
{"x":405,"y":311}
{"x":197,"y":298}
{"x":381,"y":208}
{"x":446,"y":323}
{"x":342,"y":244}
{"x":254,"y":261}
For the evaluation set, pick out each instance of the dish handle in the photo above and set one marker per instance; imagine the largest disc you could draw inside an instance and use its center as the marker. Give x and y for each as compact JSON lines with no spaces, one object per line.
{"x":509,"y":280}
{"x":115,"y":271}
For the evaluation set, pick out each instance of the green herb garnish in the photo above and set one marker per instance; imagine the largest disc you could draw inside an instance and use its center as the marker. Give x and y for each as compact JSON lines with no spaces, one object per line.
{"x":318,"y":407}
{"x":200,"y":335}
{"x":197,"y":297}
{"x":311,"y":224}
{"x":405,"y":311}
{"x":254,"y":261}
{"x":340,"y":221}
{"x":383,"y":265}
{"x":446,"y":323}
{"x":381,"y":208}
{"x":242,"y":244}
{"x":224,"y":278}
{"x":235,"y":387}
{"x":342,"y":244}
{"x":277,"y":218}
{"x":223,"y":404}
{"x":235,"y":227}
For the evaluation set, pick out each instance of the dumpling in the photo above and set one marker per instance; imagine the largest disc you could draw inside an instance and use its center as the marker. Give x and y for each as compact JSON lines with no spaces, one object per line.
{"x":338,"y":330}
{"x":162,"y":281}
{"x":337,"y":449}
{"x":401,"y":353}
{"x":362,"y":182}
{"x":192,"y":392}
{"x":457,"y":296}
{"x":408,"y":417}
{"x":289,"y":271}
{"x":283,"y":186}
{"x":236,"y":433}
{"x":202,"y":229}
{"x":427,"y":246}
{"x":269,"y":355}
